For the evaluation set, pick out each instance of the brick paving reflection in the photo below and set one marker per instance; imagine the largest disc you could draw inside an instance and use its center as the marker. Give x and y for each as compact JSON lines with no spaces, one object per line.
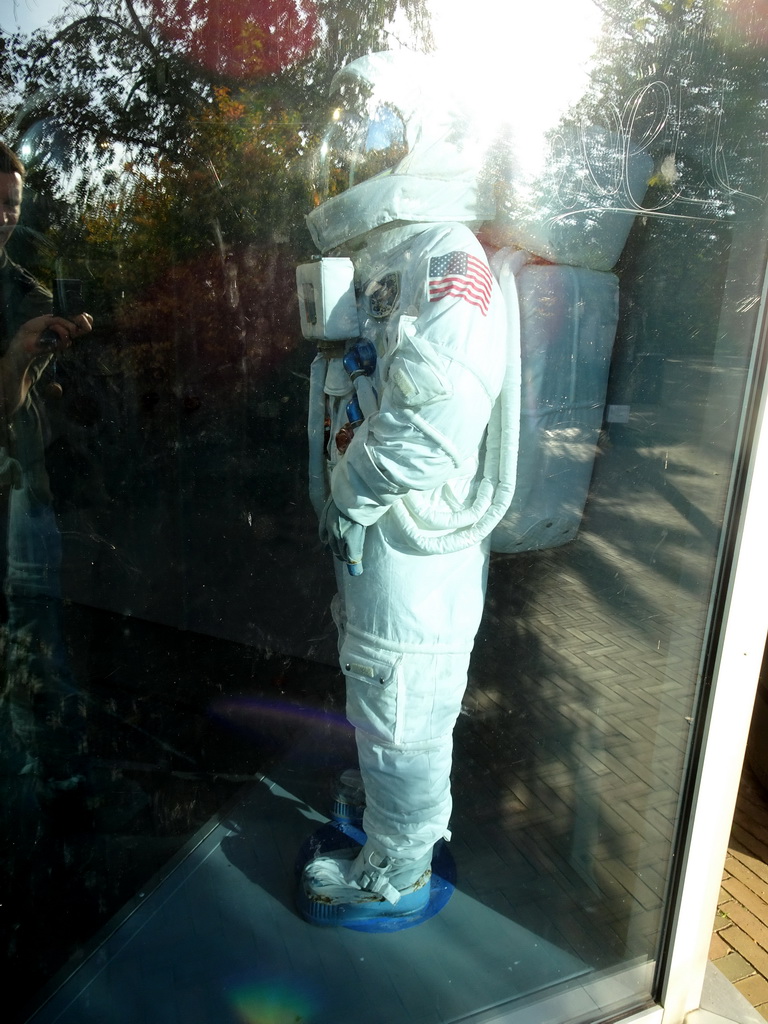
{"x":573,"y":740}
{"x":740,"y":937}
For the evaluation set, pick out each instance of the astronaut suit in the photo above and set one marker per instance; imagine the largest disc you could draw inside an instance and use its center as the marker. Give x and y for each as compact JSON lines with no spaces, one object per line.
{"x":407,"y":499}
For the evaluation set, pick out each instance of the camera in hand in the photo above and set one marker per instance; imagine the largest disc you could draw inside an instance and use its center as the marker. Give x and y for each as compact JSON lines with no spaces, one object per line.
{"x":67,"y":302}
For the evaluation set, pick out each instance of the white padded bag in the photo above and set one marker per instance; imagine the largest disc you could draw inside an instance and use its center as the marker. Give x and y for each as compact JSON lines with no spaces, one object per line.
{"x":568,"y":319}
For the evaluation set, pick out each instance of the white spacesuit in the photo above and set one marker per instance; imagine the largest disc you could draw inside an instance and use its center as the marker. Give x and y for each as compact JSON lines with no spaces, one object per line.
{"x":414,"y":488}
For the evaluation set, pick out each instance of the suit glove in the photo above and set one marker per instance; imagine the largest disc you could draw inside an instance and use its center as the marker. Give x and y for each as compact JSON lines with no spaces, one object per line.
{"x":344,"y":536}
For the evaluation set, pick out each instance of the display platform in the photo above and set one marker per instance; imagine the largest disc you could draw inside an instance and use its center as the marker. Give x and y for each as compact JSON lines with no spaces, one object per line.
{"x":219,"y":939}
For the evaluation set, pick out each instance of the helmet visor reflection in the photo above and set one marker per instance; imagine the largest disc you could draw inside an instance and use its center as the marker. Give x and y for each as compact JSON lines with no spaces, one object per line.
{"x":364,"y":140}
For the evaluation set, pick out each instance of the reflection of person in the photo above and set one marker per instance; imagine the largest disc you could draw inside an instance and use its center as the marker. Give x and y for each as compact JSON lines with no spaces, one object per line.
{"x":407,"y":487}
{"x":39,"y":695}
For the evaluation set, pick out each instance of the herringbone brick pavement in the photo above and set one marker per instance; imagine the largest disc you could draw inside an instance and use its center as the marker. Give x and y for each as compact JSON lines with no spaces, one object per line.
{"x":740,"y":937}
{"x":583,"y":689}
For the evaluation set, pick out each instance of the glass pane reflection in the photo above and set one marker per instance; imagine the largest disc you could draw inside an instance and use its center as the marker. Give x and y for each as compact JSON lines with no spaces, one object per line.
{"x":196,"y":722}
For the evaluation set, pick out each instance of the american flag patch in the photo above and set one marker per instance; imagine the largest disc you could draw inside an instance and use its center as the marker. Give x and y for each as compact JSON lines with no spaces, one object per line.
{"x":463,"y":275}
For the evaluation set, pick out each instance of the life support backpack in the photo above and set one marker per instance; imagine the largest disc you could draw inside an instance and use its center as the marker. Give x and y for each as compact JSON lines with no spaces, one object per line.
{"x":562,"y":302}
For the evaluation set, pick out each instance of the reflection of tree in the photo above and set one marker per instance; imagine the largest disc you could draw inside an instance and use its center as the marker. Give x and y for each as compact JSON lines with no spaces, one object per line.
{"x":687,"y":80}
{"x":235,"y":39}
{"x":120,"y":73}
{"x":178,"y":133}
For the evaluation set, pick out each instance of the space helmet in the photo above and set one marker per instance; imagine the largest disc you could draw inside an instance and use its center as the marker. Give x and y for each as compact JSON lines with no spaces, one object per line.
{"x":402,"y":146}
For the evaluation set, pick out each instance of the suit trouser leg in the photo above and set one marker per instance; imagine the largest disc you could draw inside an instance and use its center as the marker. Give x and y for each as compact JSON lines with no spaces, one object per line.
{"x":406,"y":634}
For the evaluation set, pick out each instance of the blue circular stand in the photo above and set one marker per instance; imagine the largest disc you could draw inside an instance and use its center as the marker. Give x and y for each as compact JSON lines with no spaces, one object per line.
{"x":337,"y":836}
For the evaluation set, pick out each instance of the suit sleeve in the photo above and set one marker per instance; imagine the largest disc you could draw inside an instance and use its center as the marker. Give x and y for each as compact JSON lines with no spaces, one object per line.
{"x":435,"y":406}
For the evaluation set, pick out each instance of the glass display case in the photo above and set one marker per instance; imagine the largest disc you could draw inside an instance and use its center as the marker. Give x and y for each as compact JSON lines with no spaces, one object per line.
{"x":174,"y":711}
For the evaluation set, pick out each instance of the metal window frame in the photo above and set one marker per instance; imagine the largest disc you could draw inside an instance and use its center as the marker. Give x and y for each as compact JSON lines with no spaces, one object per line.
{"x":739,"y":625}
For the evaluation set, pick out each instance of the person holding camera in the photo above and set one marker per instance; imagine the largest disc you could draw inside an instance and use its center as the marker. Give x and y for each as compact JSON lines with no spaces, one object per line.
{"x":38,"y":693}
